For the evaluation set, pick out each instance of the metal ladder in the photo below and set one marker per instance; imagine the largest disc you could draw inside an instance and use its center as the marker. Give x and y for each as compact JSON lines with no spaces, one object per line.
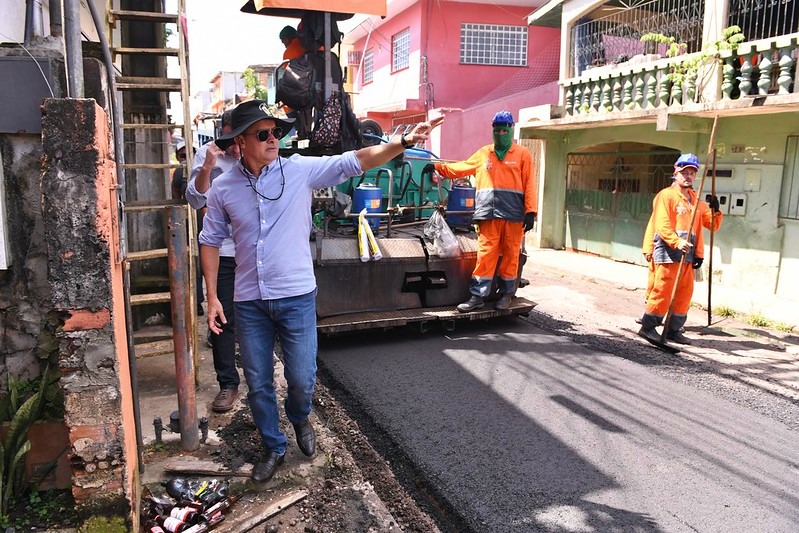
{"x":123,"y":24}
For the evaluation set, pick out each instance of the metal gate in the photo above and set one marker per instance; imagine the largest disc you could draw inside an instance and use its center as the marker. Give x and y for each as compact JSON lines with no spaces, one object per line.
{"x":609,"y":196}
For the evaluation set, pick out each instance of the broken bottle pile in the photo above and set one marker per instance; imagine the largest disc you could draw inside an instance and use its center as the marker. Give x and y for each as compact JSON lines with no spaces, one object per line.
{"x":189,"y":506}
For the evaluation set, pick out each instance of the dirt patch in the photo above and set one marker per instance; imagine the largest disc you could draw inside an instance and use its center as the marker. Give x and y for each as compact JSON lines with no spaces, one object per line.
{"x":341,"y":497}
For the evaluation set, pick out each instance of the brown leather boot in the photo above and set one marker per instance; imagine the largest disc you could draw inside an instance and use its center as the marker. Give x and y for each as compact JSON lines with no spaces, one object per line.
{"x":224,"y":400}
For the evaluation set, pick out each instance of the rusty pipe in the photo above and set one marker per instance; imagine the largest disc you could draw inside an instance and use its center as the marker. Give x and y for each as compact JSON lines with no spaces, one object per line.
{"x":178,"y":260}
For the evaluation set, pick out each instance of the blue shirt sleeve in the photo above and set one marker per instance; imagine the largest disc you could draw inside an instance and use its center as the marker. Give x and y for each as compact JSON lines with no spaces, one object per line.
{"x":195,"y":198}
{"x":327,"y":171}
{"x":216,"y":223}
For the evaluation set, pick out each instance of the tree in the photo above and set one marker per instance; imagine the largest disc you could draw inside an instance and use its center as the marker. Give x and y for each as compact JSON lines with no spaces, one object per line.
{"x":253,"y":84}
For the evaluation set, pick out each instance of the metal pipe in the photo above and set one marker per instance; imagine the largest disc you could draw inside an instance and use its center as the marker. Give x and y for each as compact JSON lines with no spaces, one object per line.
{"x":158,"y":427}
{"x":74,"y":52}
{"x":178,"y":261}
{"x":328,"y":87}
{"x":712,"y":234}
{"x":34,"y":20}
{"x":56,"y":26}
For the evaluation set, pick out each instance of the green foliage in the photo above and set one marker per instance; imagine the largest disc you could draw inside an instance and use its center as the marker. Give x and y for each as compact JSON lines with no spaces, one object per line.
{"x":782,"y":326}
{"x":758,"y":320}
{"x":253,"y":84}
{"x":674,"y":48}
{"x":724,"y":311}
{"x":16,"y":444}
{"x":101,"y":524}
{"x":688,"y":68}
{"x":42,"y":507}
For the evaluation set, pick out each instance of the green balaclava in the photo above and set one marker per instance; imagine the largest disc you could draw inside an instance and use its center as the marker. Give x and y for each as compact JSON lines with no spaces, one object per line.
{"x":502,"y":141}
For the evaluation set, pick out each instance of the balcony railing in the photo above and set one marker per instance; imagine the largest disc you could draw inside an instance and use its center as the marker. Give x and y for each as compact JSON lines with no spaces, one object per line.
{"x":611,"y":35}
{"x":764,"y":67}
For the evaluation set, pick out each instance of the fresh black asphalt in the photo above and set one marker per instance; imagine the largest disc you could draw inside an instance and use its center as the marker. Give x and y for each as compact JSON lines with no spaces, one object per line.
{"x":520,"y":429}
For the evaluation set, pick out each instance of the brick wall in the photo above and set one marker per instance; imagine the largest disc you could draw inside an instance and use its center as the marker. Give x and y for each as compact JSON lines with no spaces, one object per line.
{"x":78,"y":191}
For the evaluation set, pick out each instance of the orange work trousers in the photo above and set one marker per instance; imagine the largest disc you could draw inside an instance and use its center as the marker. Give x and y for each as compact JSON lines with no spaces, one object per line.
{"x":665,"y":277}
{"x":497,"y":237}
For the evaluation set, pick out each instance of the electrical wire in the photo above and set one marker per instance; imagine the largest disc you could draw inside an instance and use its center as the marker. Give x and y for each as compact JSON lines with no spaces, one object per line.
{"x":44,"y":77}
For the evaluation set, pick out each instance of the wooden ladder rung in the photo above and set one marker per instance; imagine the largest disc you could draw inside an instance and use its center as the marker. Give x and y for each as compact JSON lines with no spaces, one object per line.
{"x":154,"y":348}
{"x":148,"y":51}
{"x":147,"y":254}
{"x":149,"y":16}
{"x":130,"y":83}
{"x":132,"y":126}
{"x":152,"y":165}
{"x":150,"y":205}
{"x":150,"y":298}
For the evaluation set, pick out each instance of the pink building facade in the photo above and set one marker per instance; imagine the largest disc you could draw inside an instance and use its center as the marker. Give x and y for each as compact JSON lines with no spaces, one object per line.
{"x":462,"y":59}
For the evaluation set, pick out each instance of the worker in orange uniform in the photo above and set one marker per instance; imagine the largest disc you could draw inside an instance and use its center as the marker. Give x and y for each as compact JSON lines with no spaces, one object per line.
{"x":675,"y":238}
{"x":289,"y":38}
{"x":708,"y":220}
{"x":506,"y":202}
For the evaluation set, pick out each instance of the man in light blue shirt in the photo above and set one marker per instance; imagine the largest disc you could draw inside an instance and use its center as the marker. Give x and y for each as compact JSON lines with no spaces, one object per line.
{"x":265,"y":204}
{"x":210,"y":162}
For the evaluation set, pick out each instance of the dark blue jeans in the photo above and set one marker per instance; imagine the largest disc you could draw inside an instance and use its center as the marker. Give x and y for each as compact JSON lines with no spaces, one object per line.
{"x":258,"y":324}
{"x":223,"y":345}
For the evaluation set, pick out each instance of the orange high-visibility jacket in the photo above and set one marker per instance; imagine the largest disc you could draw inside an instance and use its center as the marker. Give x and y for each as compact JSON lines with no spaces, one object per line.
{"x":503,"y":189}
{"x":706,"y":215}
{"x":294,"y":49}
{"x":671,"y":218}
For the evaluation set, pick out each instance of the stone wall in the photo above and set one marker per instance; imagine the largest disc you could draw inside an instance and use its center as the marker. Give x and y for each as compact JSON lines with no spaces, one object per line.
{"x":25,"y":295}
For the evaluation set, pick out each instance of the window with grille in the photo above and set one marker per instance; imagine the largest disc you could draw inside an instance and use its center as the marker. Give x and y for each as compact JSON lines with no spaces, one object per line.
{"x":368,"y":66}
{"x":400,"y":50}
{"x":493,"y":44}
{"x":789,"y":196}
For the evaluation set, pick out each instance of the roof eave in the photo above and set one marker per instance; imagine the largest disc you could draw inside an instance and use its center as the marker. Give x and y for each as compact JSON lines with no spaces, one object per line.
{"x":549,"y":15}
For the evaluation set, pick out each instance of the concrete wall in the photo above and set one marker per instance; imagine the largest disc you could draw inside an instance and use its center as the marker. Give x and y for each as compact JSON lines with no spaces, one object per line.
{"x":435,"y":34}
{"x":788,"y":282}
{"x":25,"y":295}
{"x":462,"y":133}
{"x":752,"y":249}
{"x":79,"y":215}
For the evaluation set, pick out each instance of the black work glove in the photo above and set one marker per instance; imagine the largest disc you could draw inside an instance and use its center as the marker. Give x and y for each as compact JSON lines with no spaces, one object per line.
{"x":529,"y":221}
{"x":713,"y":202}
{"x":697,"y":264}
{"x":429,"y":168}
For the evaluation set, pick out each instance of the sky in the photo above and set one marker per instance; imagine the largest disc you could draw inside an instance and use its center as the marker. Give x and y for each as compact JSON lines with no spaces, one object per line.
{"x":222,"y":38}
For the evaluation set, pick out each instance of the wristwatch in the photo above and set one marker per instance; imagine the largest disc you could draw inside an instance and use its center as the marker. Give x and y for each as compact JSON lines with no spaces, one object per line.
{"x":405,"y":144}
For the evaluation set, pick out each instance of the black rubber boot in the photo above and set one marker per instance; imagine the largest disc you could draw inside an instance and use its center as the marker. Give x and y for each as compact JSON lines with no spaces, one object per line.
{"x":675,"y":329}
{"x":677,"y":337}
{"x":503,"y":302}
{"x":472,"y":304}
{"x":648,"y":325}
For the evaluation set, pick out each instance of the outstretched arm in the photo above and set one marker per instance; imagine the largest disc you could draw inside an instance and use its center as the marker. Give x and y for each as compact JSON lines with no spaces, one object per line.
{"x":374,"y":156}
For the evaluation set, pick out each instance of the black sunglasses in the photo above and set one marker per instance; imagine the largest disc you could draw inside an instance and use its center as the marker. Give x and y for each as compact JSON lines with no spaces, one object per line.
{"x":263,"y":135}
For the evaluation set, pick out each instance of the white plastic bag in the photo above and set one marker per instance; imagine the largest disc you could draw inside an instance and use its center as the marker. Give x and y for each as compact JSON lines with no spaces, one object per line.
{"x":438,"y":231}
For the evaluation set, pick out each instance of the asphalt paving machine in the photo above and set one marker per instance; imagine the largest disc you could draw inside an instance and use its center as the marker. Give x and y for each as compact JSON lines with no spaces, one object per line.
{"x":401,"y":275}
